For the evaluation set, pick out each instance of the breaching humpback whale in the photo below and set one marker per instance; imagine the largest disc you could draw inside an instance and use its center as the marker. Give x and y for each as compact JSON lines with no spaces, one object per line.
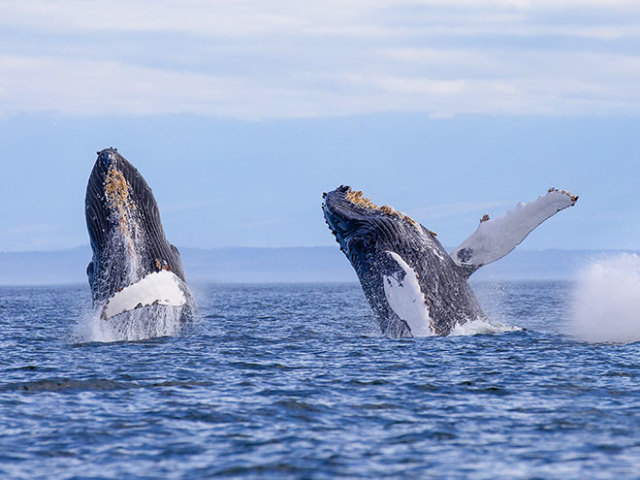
{"x":135,"y":272}
{"x":413,"y":285}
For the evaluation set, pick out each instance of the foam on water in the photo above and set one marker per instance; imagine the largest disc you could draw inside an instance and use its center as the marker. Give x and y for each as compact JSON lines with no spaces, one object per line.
{"x":140,"y":324}
{"x":482,"y":327}
{"x":606,"y":301}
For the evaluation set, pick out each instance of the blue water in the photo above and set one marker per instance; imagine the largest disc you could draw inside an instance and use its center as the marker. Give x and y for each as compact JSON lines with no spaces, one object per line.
{"x":294,"y":381}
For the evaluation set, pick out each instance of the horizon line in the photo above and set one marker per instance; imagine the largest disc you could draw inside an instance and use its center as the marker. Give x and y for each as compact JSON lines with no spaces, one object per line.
{"x":240,"y":247}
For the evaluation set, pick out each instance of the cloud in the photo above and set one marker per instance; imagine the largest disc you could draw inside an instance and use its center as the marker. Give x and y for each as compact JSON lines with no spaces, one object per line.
{"x":237,"y":19}
{"x":253,"y":60}
{"x":571,"y":85}
{"x":95,"y":88}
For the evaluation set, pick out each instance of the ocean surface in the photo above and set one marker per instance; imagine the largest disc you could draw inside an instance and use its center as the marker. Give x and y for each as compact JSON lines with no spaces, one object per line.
{"x":294,"y":381}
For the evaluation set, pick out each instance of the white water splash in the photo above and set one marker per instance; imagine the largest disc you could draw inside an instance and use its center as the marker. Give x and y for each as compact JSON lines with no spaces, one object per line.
{"x":606,"y":301}
{"x":140,"y":324}
{"x":166,"y":301}
{"x":482,"y":327}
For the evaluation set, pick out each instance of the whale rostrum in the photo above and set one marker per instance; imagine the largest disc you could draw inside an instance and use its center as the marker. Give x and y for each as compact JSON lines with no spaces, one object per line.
{"x":413,"y":285}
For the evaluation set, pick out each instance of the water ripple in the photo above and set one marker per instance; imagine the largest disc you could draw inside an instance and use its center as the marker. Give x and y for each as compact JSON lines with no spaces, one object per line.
{"x":280,"y":381}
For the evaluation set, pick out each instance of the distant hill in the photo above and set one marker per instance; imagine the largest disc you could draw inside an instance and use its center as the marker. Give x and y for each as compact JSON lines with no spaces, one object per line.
{"x":290,"y":264}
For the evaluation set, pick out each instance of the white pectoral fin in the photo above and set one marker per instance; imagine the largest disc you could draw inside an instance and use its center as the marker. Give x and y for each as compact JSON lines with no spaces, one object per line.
{"x":406,"y":299}
{"x":157,"y":288}
{"x":495,"y":238}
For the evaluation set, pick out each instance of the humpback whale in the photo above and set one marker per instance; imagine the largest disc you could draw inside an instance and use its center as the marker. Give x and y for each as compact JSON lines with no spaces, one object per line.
{"x":135,"y":273}
{"x":413,"y":285}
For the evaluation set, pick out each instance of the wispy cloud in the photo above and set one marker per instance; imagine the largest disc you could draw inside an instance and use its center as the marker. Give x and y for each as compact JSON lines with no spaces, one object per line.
{"x":254,"y":17}
{"x":256,"y":60}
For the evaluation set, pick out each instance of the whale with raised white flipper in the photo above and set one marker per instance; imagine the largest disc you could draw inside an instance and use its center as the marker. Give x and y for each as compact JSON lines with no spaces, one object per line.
{"x":413,"y":285}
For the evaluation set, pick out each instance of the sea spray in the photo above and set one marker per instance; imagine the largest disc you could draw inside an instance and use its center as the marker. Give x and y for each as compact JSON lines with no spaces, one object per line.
{"x":482,"y":327}
{"x":134,"y":325}
{"x":606,"y":301}
{"x":165,"y":302}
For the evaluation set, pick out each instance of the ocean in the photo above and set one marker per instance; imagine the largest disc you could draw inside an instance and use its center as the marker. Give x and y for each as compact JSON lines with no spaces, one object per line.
{"x":295,"y":381}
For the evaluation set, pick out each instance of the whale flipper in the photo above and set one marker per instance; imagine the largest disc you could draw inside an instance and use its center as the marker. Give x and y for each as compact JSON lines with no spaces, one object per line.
{"x":497,"y":237}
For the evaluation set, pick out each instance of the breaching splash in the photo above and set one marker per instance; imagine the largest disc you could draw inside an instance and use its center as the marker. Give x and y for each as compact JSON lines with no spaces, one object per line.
{"x":141,"y":324}
{"x":482,"y":327}
{"x":155,"y":306}
{"x":606,"y":301}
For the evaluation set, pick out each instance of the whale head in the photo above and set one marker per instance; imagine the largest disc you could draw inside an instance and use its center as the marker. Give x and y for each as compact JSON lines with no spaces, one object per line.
{"x":124,"y":227}
{"x":358,"y":224}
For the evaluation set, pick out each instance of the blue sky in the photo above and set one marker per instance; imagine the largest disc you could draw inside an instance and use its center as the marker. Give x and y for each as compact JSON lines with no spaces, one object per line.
{"x":240,"y":114}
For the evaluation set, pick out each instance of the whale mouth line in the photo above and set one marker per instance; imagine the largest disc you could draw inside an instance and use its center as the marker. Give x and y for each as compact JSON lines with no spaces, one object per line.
{"x":157,"y":288}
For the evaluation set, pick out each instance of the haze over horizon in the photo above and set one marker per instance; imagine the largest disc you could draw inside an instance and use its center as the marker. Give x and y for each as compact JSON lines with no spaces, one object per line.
{"x":240,"y":115}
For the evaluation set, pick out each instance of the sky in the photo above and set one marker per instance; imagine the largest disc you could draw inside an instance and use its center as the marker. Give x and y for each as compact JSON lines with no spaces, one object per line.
{"x":241,"y":113}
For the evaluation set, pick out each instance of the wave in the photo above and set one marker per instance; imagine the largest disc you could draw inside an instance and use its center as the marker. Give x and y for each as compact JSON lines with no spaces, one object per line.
{"x":63,"y":385}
